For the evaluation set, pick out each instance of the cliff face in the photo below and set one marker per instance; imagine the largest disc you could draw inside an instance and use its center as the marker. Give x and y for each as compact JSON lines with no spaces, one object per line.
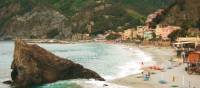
{"x":33,"y":65}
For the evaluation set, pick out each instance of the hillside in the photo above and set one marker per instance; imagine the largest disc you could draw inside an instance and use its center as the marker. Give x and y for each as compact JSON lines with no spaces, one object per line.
{"x":63,"y":18}
{"x":184,"y":13}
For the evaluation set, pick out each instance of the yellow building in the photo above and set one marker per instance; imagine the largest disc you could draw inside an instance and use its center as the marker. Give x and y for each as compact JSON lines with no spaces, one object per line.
{"x":129,"y":34}
{"x":141,"y":30}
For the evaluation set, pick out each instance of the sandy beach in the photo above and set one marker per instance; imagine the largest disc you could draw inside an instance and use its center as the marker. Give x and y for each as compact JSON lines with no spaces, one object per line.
{"x":162,"y":55}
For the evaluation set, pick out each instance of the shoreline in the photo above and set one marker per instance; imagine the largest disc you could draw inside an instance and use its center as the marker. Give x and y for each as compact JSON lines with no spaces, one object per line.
{"x":161,"y":55}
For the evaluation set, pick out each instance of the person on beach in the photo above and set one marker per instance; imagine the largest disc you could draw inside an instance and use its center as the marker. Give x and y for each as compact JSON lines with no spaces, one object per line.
{"x":173,"y":78}
{"x":142,"y":73}
{"x":142,"y":63}
{"x":171,"y":59}
{"x":183,"y":56}
{"x":146,"y":77}
{"x":149,"y":74}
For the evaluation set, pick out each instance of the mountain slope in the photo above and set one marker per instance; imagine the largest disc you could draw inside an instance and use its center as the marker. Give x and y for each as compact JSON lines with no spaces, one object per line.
{"x":184,"y":13}
{"x":63,"y":18}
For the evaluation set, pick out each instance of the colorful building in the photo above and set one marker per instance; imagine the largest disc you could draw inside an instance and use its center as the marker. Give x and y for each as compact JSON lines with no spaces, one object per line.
{"x":148,"y":35}
{"x":145,"y":32}
{"x":141,"y":30}
{"x":164,"y":30}
{"x":129,"y":34}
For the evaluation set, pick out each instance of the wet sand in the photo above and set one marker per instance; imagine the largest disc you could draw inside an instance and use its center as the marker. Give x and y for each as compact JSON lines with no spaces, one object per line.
{"x":162,"y":56}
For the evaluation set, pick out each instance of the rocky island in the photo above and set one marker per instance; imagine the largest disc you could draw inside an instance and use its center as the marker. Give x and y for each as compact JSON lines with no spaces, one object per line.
{"x":33,"y":65}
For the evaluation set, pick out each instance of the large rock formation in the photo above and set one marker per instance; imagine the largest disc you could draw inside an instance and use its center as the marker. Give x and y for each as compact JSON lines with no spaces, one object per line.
{"x":33,"y":65}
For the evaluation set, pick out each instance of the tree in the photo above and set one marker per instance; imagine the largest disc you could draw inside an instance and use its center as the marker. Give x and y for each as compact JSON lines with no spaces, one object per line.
{"x":173,"y":35}
{"x":198,"y":24}
{"x":154,"y":36}
{"x":140,"y":38}
{"x":52,"y":33}
{"x":112,"y":36}
{"x":179,"y":33}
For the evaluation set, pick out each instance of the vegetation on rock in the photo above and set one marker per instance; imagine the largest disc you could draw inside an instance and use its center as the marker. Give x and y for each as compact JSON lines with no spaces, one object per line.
{"x":115,"y":15}
{"x":112,"y":36}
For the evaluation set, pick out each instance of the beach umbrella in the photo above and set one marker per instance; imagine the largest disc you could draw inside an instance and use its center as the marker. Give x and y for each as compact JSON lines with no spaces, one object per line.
{"x":169,"y":68}
{"x":174,"y":85}
{"x":153,"y":72}
{"x":162,"y":81}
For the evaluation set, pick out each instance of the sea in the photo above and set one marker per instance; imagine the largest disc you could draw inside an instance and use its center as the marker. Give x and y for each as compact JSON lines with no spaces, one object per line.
{"x":111,"y":61}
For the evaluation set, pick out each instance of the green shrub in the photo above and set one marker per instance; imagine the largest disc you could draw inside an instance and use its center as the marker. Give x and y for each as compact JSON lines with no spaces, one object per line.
{"x":26,"y":6}
{"x":112,"y":36}
{"x":52,"y":33}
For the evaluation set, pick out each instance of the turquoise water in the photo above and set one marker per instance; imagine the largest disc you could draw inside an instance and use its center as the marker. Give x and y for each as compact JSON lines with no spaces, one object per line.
{"x":110,"y":61}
